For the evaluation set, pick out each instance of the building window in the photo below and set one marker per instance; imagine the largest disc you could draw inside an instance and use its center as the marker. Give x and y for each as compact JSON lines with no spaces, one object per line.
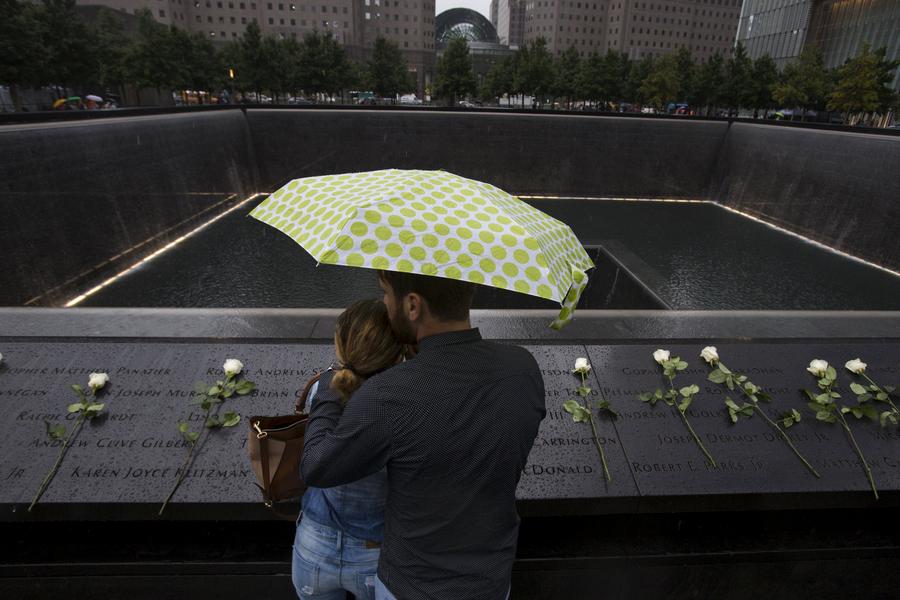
{"x":271,"y":21}
{"x":162,"y":13}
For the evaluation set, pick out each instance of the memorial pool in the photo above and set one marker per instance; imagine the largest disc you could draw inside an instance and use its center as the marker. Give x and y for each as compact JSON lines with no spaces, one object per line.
{"x":678,"y":255}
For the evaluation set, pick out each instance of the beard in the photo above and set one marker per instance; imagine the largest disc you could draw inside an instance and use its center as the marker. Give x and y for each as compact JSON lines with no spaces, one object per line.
{"x":402,"y":327}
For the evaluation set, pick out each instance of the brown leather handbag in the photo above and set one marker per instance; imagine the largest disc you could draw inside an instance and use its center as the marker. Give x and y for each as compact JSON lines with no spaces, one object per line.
{"x":276,"y":445}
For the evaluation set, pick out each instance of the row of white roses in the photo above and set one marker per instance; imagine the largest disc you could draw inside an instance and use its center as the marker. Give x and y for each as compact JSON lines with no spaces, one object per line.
{"x":816,"y":367}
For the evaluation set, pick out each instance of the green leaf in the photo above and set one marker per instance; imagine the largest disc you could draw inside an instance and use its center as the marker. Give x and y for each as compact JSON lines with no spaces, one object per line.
{"x":56,"y":432}
{"x":889,"y":389}
{"x":857,"y":389}
{"x":845,"y":410}
{"x":729,"y":382}
{"x":795,"y":414}
{"x":658,"y":394}
{"x":200,"y":388}
{"x":183,"y":427}
{"x":228,"y":393}
{"x":245,"y":387}
{"x":731,"y":404}
{"x":192,"y":436}
{"x":680,"y":365}
{"x":724,"y":369}
{"x":881,"y":396}
{"x":683,"y":406}
{"x":96,"y":407}
{"x":77,"y":389}
{"x":212,"y":422}
{"x":830,"y":373}
{"x":823,"y":399}
{"x":76,"y":407}
{"x":716,"y":376}
{"x":864,"y":398}
{"x":869,"y":411}
{"x":834,"y":394}
{"x":888,"y":416}
{"x":826,"y":416}
{"x":764,"y":396}
{"x":733,"y":415}
{"x":213,"y":391}
{"x":809,"y":395}
{"x":686,"y":391}
{"x":583,"y":391}
{"x":741,"y":378}
{"x":646,"y":397}
{"x":570,"y":406}
{"x":231,"y":419}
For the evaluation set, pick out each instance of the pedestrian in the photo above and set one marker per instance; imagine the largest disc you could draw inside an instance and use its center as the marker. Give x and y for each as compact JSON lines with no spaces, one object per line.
{"x":453,"y":426}
{"x":339,"y":535}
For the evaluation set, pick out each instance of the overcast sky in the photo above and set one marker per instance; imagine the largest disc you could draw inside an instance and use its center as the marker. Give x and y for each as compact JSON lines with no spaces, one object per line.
{"x":482,"y":6}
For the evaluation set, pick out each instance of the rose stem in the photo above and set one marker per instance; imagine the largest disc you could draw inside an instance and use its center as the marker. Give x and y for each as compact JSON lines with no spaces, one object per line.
{"x":62,"y":452}
{"x":688,"y":424}
{"x":780,"y":431}
{"x":858,"y":452}
{"x":184,"y":466}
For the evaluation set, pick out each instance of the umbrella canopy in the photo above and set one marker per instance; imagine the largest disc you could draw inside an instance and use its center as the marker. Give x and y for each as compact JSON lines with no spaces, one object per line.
{"x":58,"y":103}
{"x":73,"y":98}
{"x":432,"y":223}
{"x":93,"y":98}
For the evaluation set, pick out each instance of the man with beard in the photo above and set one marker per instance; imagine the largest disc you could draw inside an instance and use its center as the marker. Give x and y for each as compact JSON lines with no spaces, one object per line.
{"x":454,"y":427}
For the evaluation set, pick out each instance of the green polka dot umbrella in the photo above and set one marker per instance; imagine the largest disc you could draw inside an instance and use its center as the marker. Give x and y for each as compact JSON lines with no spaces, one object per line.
{"x":432,"y":223}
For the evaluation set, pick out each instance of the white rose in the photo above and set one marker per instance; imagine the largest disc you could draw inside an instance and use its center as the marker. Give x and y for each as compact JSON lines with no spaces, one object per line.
{"x":582,"y":366}
{"x":661,"y":356}
{"x":710,"y":355}
{"x":233,"y":366}
{"x":98,"y":380}
{"x":817,"y":367}
{"x":856,"y":366}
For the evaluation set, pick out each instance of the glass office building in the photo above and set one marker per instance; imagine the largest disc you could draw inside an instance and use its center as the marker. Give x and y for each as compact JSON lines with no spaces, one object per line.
{"x":839,"y":28}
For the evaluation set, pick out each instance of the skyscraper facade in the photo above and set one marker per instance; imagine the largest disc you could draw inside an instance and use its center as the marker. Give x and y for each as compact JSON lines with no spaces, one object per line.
{"x":511,"y":22}
{"x":838,"y":28}
{"x":637,"y":28}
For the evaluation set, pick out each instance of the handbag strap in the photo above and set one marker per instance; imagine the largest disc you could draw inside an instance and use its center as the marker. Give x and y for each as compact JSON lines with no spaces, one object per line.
{"x":264,"y":456}
{"x":301,"y":400}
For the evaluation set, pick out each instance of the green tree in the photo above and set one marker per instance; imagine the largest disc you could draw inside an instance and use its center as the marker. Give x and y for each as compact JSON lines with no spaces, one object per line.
{"x":804,"y":83}
{"x":324,"y":67}
{"x":687,"y":74}
{"x":765,"y":77}
{"x":21,"y":52}
{"x":454,"y":77}
{"x":250,"y":70}
{"x":148,"y":61}
{"x":737,"y":91}
{"x":69,"y":45}
{"x":616,"y":73}
{"x":388,"y":74}
{"x":567,"y":81}
{"x":499,"y":80}
{"x":534,"y":75}
{"x":662,"y":84}
{"x":590,"y":78}
{"x":861,"y":83}
{"x":640,"y":71}
{"x":710,"y":79}
{"x":111,"y":50}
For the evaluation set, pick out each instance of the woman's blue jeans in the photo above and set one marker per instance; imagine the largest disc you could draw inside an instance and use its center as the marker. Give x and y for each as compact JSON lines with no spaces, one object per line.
{"x":328,"y":563}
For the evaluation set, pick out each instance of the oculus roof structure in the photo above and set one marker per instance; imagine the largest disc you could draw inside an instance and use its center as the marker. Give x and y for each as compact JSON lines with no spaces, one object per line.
{"x":465,"y":23}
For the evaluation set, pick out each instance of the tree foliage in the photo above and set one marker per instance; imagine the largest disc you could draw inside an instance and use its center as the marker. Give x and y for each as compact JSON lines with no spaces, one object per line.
{"x":863,"y":83}
{"x":454,"y":77}
{"x":387,"y":71}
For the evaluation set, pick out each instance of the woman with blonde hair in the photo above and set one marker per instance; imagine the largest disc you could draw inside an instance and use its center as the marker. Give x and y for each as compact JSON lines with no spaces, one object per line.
{"x":338,"y":539}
